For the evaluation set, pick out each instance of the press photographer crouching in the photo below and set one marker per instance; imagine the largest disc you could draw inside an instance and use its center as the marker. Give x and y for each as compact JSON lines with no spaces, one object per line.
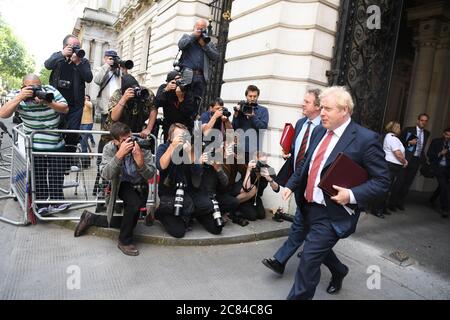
{"x":186,"y":190}
{"x":176,"y":100}
{"x":259,"y":175}
{"x":128,"y":167}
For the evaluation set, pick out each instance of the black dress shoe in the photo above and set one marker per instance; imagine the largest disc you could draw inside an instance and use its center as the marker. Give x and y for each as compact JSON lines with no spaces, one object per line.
{"x":83,"y":225}
{"x":336,"y":283}
{"x":274,"y":265}
{"x":378,"y":214}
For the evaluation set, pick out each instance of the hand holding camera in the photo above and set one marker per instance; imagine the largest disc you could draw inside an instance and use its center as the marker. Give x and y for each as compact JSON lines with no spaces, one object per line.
{"x":127,"y":96}
{"x":138,"y":155}
{"x":125,"y":148}
{"x":178,"y":141}
{"x":171,"y":86}
{"x":26,"y":93}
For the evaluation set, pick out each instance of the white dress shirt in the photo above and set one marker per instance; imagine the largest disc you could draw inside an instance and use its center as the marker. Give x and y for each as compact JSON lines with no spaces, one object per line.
{"x":317,"y":192}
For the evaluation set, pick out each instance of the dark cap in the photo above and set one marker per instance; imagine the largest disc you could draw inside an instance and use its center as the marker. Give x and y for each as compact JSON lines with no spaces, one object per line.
{"x":172,"y":75}
{"x":110,"y":53}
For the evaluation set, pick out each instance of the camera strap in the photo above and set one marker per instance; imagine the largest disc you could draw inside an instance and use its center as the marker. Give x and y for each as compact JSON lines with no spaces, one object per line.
{"x":104,"y":84}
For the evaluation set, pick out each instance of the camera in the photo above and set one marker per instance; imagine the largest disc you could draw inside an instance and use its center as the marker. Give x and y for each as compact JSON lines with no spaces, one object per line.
{"x":179,"y":198}
{"x":39,"y":92}
{"x":217,"y":216}
{"x":144,"y":144}
{"x":281,"y":216}
{"x":79,"y":52}
{"x":141,"y":93}
{"x":205,"y":36}
{"x":181,"y":84}
{"x":64,"y":84}
{"x":260,"y":165}
{"x":226,"y":112}
{"x":127,"y":64}
{"x":246,"y":108}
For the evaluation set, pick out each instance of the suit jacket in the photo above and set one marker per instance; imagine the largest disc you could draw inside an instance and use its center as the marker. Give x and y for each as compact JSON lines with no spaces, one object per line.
{"x":435,"y":148}
{"x":362,"y":146}
{"x":287,"y":169}
{"x":409,"y":152}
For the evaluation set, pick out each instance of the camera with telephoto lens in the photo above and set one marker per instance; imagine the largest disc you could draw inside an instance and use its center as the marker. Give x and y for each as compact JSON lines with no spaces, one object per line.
{"x":127,"y":64}
{"x":179,"y":198}
{"x":226,"y":112}
{"x":79,"y":52}
{"x":144,"y":144}
{"x":281,"y":216}
{"x":217,"y":216}
{"x":204,"y":35}
{"x":245,"y":107}
{"x":39,"y":92}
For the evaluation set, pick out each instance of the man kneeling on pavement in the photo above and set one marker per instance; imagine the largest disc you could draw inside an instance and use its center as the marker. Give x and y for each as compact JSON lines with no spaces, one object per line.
{"x":129,"y":168}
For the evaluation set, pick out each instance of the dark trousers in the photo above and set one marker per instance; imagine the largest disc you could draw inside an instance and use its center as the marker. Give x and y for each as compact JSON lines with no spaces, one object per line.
{"x":49,"y":177}
{"x":195,"y":205}
{"x":297,"y":235}
{"x":404,"y":182}
{"x":251,"y":212}
{"x":198,"y":85}
{"x":395,"y":172}
{"x":442,"y":177}
{"x":227,"y":203}
{"x":319,"y":242}
{"x":133,"y":200}
{"x":97,"y":186}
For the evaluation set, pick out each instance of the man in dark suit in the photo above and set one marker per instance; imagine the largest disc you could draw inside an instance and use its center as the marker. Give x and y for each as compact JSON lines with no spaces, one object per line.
{"x":332,"y":218}
{"x":439,"y":157}
{"x":303,"y":132}
{"x":414,"y":139}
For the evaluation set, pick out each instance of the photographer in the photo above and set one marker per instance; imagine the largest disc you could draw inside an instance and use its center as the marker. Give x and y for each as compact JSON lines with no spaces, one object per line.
{"x":176,"y":100}
{"x":259,"y":175}
{"x":133,"y":105}
{"x":216,"y":118}
{"x":108,"y":78}
{"x":129,"y":168}
{"x":70,"y":70}
{"x":198,"y":52}
{"x":182,"y":194}
{"x":40,"y":106}
{"x":249,"y":115}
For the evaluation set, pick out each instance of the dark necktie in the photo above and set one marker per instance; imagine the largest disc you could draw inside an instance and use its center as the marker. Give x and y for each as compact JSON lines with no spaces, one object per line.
{"x":302,"y":150}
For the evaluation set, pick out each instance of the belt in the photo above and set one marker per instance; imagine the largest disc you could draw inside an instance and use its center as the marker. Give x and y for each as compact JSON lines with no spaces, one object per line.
{"x":313,"y":204}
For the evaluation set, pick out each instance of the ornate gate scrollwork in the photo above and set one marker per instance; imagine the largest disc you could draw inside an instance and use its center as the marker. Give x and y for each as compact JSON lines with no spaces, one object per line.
{"x":364,"y":57}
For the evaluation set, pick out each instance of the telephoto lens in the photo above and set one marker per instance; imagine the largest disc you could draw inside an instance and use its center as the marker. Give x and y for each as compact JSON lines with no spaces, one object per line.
{"x":216,"y":214}
{"x":179,"y":199}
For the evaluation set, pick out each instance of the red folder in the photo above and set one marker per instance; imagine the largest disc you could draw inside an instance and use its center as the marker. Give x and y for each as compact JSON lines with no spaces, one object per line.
{"x":287,"y":137}
{"x":345,"y":173}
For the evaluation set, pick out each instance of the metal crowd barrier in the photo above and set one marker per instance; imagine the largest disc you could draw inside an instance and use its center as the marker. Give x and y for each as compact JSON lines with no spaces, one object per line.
{"x":53,"y":179}
{"x":19,"y":178}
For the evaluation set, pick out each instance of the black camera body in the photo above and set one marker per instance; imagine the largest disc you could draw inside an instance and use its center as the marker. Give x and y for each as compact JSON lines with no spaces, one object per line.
{"x":281,"y":216}
{"x":260,"y":165}
{"x":141,"y":93}
{"x":64,"y":84}
{"x":246,"y":108}
{"x":127,"y":64}
{"x":226,"y":112}
{"x":79,"y":52}
{"x":181,"y":83}
{"x":144,"y":144}
{"x":39,"y":92}
{"x":205,"y":36}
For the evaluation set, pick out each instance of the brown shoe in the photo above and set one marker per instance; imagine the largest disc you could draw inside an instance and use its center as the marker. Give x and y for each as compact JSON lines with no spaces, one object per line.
{"x":129,"y":250}
{"x":84,"y":223}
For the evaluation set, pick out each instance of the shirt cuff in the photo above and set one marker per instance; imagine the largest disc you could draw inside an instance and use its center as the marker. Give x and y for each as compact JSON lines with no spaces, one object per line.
{"x":352,"y":197}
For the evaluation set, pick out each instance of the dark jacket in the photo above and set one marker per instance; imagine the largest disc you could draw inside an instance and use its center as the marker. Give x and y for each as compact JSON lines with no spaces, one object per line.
{"x":79,"y":75}
{"x":410,"y":150}
{"x":362,"y":146}
{"x":436,"y":146}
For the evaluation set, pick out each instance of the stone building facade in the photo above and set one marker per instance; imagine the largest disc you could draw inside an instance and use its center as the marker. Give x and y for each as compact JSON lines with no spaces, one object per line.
{"x":286,"y":47}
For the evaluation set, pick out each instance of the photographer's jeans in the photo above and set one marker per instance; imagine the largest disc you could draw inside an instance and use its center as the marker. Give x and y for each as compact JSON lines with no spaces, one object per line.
{"x":198,"y":85}
{"x":85,"y":137}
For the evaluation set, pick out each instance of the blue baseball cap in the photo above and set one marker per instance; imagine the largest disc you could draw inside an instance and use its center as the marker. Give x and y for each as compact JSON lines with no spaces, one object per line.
{"x":111,"y":53}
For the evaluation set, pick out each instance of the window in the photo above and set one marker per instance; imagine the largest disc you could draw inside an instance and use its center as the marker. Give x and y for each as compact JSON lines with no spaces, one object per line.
{"x":146,"y":59}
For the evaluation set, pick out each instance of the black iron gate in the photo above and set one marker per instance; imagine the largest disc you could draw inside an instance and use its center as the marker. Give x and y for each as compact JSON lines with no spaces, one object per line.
{"x":364,"y":56}
{"x":221,"y":17}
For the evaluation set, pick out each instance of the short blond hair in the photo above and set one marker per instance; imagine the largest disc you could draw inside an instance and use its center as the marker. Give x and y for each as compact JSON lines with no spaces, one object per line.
{"x":342,"y":96}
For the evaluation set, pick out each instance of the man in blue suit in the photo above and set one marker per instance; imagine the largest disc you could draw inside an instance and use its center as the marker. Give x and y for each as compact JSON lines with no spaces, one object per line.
{"x":332,"y":218}
{"x":303,"y":132}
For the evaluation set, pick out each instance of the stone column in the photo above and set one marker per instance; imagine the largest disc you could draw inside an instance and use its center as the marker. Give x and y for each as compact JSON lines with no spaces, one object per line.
{"x":98,"y":54}
{"x":86,"y":45}
{"x":425,"y":43}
